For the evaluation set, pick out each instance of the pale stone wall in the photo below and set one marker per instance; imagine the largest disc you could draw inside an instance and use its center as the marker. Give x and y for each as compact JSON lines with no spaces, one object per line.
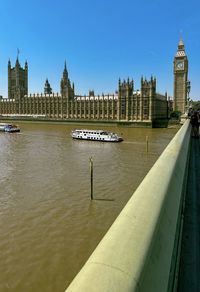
{"x":105,"y":107}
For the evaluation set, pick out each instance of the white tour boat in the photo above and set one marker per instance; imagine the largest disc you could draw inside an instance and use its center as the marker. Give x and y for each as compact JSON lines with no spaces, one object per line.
{"x":9,"y":128}
{"x":95,"y":135}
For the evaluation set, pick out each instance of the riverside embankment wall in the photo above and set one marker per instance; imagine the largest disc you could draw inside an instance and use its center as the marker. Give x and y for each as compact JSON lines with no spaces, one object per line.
{"x":139,"y":251}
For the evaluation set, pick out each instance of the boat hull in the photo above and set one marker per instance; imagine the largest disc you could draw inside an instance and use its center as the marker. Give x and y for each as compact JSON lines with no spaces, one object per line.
{"x":12,"y":130}
{"x":96,"y":140}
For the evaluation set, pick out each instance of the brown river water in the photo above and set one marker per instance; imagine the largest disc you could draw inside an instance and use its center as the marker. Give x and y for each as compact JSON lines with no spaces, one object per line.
{"x":48,"y":224}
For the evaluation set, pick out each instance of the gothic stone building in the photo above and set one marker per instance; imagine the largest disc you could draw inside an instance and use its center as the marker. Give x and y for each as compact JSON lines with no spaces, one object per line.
{"x":17,"y":80}
{"x":126,"y":105}
{"x":180,"y":79}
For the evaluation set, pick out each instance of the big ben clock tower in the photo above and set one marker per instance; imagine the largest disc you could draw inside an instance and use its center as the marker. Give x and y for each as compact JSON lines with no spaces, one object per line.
{"x":180,"y":78}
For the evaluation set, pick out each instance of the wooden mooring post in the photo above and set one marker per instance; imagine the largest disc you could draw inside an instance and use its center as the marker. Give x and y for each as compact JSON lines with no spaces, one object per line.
{"x":91,"y":178}
{"x":147,"y":144}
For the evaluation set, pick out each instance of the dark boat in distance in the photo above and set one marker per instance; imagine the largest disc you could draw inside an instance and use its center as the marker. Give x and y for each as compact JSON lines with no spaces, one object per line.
{"x":95,"y":135}
{"x":9,"y":128}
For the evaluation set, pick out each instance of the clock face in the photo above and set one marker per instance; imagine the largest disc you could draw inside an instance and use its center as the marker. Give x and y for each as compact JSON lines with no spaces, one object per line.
{"x":180,"y":65}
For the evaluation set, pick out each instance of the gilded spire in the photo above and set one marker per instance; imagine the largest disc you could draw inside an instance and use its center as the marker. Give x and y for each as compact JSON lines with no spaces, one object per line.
{"x":181,"y":44}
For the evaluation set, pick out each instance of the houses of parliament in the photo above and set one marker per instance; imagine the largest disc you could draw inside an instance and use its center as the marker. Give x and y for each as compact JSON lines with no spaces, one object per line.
{"x":125,"y":105}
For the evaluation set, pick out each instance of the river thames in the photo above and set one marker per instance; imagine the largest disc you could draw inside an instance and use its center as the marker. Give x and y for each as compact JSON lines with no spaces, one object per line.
{"x":49,"y":226}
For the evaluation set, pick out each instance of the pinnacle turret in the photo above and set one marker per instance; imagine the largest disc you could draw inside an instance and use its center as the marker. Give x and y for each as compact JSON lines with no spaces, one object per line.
{"x":17,"y":64}
{"x":65,"y":72}
{"x":47,"y":87}
{"x":181,"y":48}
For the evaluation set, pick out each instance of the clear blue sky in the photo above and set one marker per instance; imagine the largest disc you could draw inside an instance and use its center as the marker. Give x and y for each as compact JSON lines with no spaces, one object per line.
{"x":100,"y":41}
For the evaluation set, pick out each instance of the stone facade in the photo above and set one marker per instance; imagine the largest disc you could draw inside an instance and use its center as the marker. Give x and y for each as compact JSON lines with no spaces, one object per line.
{"x":180,"y":78}
{"x":127,"y":104}
{"x":47,"y":87}
{"x":17,"y":80}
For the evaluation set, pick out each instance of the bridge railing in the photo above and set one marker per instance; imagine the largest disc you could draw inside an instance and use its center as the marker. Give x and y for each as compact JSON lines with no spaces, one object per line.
{"x":138,"y":253}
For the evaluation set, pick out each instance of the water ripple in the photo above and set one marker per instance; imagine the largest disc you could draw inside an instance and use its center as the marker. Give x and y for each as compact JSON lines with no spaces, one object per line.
{"x":49,"y":226}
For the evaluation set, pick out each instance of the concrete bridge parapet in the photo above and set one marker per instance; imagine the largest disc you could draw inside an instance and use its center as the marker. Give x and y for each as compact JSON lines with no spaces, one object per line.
{"x":139,"y":251}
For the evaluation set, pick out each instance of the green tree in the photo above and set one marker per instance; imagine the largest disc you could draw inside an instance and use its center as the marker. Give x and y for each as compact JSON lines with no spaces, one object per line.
{"x":175,"y":115}
{"x":195,"y":104}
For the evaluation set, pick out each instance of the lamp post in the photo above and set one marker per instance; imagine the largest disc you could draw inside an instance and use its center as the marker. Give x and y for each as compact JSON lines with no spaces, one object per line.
{"x":188,"y":96}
